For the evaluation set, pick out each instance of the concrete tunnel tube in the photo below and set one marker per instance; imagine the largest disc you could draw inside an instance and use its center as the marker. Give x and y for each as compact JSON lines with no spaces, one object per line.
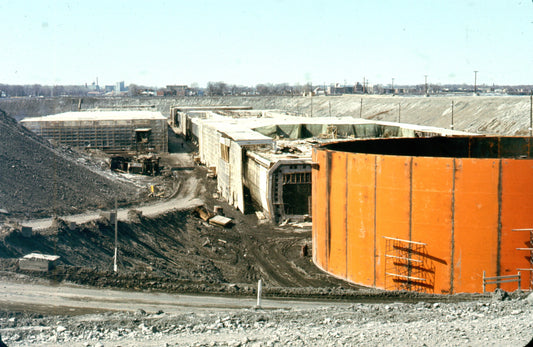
{"x":424,"y":214}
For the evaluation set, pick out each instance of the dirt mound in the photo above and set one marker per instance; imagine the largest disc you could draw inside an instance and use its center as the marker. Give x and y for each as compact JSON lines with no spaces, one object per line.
{"x":37,"y":179}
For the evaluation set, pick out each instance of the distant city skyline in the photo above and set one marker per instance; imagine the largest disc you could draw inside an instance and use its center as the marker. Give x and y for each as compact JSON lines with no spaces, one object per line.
{"x":159,"y":43}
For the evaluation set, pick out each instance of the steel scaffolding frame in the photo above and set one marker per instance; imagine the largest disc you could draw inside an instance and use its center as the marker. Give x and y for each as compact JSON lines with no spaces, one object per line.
{"x":407,"y":266}
{"x":530,"y":250}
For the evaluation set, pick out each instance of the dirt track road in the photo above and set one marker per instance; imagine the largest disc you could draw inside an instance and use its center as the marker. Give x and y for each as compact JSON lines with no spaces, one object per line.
{"x":73,"y":300}
{"x":187,"y":198}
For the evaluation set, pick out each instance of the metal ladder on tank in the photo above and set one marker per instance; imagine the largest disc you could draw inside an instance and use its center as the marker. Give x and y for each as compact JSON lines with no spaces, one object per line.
{"x":530,"y":250}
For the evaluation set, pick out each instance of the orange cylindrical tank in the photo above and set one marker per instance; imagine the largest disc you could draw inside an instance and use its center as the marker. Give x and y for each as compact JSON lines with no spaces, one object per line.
{"x":427,"y":214}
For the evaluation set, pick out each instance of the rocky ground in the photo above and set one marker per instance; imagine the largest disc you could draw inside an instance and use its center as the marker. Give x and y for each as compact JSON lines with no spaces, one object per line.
{"x":501,"y":321}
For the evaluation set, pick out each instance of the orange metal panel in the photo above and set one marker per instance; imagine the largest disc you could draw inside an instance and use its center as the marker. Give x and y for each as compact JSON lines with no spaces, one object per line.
{"x":319,"y":209}
{"x":337,"y":210}
{"x":360,"y":239}
{"x":392,"y":206}
{"x":517,"y":213}
{"x":476,"y":223}
{"x":432,"y":219}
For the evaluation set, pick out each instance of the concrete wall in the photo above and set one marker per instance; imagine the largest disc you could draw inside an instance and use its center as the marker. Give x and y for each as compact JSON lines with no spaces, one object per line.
{"x":208,"y":144}
{"x":256,"y":178}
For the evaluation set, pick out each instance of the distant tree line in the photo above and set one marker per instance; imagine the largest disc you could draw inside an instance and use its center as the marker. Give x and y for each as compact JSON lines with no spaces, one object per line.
{"x":223,"y":89}
{"x":16,"y":90}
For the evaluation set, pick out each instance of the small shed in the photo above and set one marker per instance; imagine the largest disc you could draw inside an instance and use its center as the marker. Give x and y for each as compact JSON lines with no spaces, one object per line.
{"x":38,"y":262}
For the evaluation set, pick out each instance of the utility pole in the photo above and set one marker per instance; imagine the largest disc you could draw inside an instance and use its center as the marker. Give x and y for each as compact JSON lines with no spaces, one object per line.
{"x":392,"y":86}
{"x":399,"y":112}
{"x":363,"y":84}
{"x":115,"y":267}
{"x":452,"y":117}
{"x":475,"y":82}
{"x":361,"y":109}
{"x":531,"y":113}
{"x":426,"y":85}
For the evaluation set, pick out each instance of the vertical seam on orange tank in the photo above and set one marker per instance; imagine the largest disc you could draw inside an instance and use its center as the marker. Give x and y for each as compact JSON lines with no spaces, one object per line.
{"x":314,"y":190}
{"x":452,"y":255}
{"x":375,"y":212}
{"x":346,"y":218}
{"x":409,"y":271}
{"x":499,"y":244}
{"x":328,"y":208}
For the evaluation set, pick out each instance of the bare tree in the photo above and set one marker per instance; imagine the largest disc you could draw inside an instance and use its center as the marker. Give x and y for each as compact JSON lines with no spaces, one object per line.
{"x":217,"y":88}
{"x":134,"y":90}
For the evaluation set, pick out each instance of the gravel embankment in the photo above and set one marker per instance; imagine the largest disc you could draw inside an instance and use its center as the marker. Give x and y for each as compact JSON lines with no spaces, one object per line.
{"x":497,"y":322}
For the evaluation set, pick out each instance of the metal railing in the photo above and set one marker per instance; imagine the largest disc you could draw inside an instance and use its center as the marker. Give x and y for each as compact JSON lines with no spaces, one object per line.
{"x":501,"y":279}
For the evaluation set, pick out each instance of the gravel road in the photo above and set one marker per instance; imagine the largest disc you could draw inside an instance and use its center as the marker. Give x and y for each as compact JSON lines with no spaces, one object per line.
{"x":148,"y":319}
{"x":184,"y":200}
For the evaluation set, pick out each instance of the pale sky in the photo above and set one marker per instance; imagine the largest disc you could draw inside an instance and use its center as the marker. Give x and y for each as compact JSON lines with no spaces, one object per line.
{"x":156,"y":43}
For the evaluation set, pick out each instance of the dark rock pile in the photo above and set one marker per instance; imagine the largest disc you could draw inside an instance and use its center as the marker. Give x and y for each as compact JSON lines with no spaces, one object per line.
{"x":37,"y":179}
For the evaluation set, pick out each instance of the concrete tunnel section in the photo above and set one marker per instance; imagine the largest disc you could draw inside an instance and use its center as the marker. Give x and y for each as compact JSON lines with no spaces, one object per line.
{"x":262,"y":158}
{"x":434,"y":215}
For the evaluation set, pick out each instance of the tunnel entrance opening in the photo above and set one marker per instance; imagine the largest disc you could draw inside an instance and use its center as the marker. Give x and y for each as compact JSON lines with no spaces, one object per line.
{"x":295,"y":198}
{"x":291,"y":192}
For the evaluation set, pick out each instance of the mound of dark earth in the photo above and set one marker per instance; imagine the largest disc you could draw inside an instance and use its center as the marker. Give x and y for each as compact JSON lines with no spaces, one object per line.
{"x":37,"y":179}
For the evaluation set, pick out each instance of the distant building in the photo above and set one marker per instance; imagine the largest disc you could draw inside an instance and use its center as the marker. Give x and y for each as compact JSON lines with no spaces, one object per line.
{"x":338,"y":89}
{"x":93,"y":87}
{"x":120,"y":87}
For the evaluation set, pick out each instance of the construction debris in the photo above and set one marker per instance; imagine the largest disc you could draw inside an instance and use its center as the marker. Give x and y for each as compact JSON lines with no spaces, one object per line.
{"x":203,"y":213}
{"x":206,"y":243}
{"x":220,"y":220}
{"x":38,"y":262}
{"x":145,"y":164}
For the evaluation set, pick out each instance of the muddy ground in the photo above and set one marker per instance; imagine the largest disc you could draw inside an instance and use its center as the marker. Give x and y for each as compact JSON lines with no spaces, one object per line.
{"x":176,"y":251}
